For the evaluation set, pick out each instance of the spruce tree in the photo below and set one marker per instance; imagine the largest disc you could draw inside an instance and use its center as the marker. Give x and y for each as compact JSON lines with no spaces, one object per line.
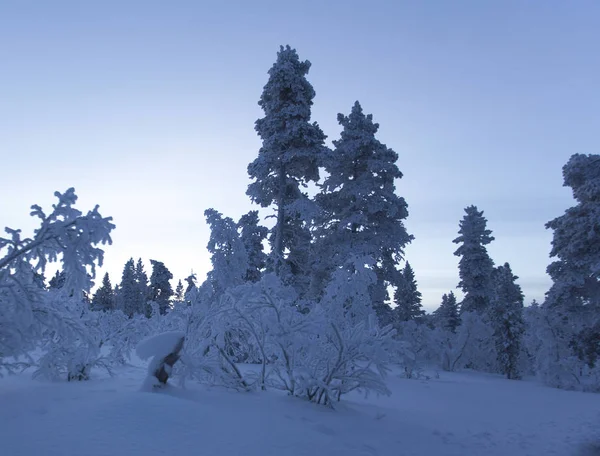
{"x":407,"y":297}
{"x":179,"y":291}
{"x":475,"y":265}
{"x":128,"y":293}
{"x":104,"y":298}
{"x":288,"y":160}
{"x":447,"y":316}
{"x":506,"y":317}
{"x":160,"y":286}
{"x":360,"y":212}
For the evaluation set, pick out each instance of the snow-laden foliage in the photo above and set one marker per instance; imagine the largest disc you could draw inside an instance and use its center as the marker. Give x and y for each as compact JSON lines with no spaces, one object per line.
{"x":288,"y":160}
{"x":475,"y":265}
{"x":27,"y":316}
{"x":104,"y":298}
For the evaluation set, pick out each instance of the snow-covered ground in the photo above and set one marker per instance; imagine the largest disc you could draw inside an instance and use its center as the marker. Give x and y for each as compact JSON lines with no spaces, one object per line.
{"x":457,"y":414}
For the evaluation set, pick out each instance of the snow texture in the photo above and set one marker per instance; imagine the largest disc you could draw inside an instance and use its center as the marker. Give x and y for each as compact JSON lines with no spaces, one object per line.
{"x":459,"y":414}
{"x":159,"y":345}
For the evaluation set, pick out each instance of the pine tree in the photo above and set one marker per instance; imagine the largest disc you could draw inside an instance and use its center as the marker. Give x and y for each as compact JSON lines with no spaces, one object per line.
{"x":179,"y":291}
{"x":447,"y":316}
{"x":475,"y":266}
{"x":104,"y":298}
{"x":253,"y":235}
{"x":507,"y":320}
{"x":144,"y":292}
{"x":361,"y":213}
{"x":288,"y":160}
{"x":128,"y":293}
{"x":407,"y":297}
{"x":160,"y":286}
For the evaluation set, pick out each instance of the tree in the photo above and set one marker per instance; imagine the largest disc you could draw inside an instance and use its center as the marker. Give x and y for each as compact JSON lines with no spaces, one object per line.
{"x":143,"y":290}
{"x":57,"y":281}
{"x":160,"y":286}
{"x":407,"y":297}
{"x":229,"y":257}
{"x":253,"y":235}
{"x":475,"y":266}
{"x":447,"y":316}
{"x":507,"y":320}
{"x":104,"y":298}
{"x":179,"y":295}
{"x":27,"y":317}
{"x":288,"y":160}
{"x":128,"y":293}
{"x":361,"y":213}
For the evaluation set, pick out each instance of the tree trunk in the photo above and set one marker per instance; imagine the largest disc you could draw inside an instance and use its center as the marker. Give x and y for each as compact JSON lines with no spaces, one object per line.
{"x":161,"y":373}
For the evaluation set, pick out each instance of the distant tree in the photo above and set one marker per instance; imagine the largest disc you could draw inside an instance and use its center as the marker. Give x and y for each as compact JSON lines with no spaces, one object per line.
{"x":253,"y":235}
{"x":361,"y":213}
{"x":104,"y":298}
{"x":475,"y":265}
{"x":447,"y":316}
{"x":506,"y":318}
{"x":57,"y":281}
{"x":128,"y":293}
{"x":179,"y":291}
{"x":160,"y":286}
{"x":407,"y":297}
{"x":144,"y":291}
{"x":288,"y":160}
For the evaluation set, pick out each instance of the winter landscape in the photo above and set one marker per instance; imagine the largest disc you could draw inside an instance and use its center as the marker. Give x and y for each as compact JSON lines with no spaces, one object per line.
{"x":309,"y":333}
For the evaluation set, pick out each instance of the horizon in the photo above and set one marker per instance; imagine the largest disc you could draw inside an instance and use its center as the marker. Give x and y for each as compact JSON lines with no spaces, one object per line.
{"x":484,"y":104}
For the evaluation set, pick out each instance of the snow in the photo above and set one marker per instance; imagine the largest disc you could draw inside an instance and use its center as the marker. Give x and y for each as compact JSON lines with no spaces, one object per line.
{"x":159,"y":345}
{"x":463,"y":414}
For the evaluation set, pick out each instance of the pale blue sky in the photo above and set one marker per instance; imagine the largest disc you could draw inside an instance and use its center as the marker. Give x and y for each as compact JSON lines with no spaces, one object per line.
{"x":148,"y":109}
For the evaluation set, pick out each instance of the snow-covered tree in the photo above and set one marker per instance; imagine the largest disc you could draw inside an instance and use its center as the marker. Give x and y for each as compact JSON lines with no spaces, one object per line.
{"x":569,"y":332}
{"x":160,"y":286}
{"x":229,"y":257}
{"x":27,"y":319}
{"x":506,"y":316}
{"x":407,"y":297}
{"x":475,"y":265}
{"x":447,"y":316}
{"x":253,"y":235}
{"x":144,"y":294}
{"x":104,"y":298}
{"x":288,"y":160}
{"x":361,"y":213}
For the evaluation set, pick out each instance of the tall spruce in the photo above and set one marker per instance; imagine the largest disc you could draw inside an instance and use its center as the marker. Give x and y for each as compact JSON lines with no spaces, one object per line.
{"x":288,"y":160}
{"x":446,"y":315}
{"x":361,"y":213}
{"x":160,"y":286}
{"x":253,"y":235}
{"x":506,"y":317}
{"x":104,"y":298}
{"x":407,"y":297}
{"x":475,"y":265}
{"x":128,"y":293}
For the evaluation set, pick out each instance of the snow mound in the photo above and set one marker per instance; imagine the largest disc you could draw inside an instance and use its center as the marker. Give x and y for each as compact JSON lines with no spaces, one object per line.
{"x":158,"y":346}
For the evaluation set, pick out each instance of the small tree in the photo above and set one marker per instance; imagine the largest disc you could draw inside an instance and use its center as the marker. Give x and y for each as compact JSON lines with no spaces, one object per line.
{"x":407,"y":297}
{"x":104,"y":298}
{"x":507,"y":320}
{"x":160,"y":286}
{"x":475,"y":265}
{"x":447,"y":316}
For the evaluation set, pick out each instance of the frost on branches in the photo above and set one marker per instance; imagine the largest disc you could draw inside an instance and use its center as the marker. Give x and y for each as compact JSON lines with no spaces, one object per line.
{"x":30,"y":316}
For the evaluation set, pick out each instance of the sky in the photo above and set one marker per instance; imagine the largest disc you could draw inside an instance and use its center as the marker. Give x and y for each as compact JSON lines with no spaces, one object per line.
{"x":147,"y":108}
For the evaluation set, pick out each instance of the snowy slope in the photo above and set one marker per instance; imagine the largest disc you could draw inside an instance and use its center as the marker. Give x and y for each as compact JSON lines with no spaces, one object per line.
{"x":459,"y":414}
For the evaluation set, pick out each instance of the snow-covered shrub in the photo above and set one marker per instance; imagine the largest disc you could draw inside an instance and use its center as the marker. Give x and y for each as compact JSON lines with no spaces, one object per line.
{"x":28,"y":317}
{"x":417,"y":349}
